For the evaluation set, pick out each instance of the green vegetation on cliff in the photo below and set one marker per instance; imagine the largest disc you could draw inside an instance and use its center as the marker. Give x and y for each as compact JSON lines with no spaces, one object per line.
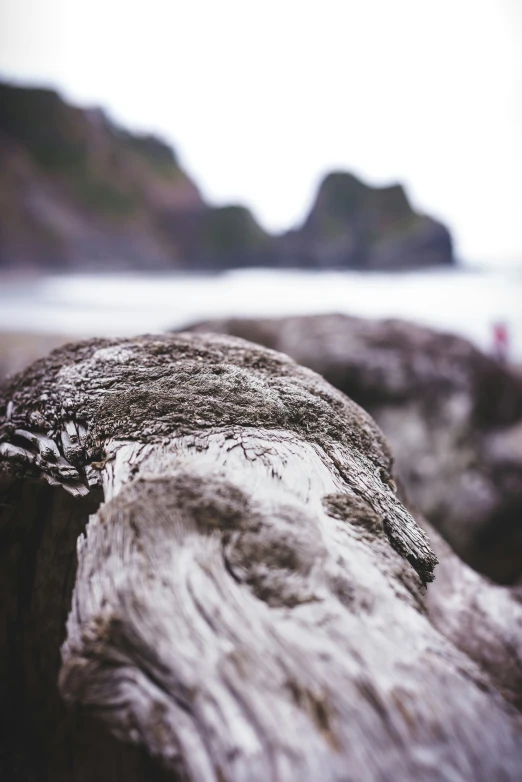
{"x":50,"y":130}
{"x":232,"y":230}
{"x":108,"y":170}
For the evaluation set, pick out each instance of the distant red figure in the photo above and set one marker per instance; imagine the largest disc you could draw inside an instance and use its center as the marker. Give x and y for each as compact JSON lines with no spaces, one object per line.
{"x":500,"y":341}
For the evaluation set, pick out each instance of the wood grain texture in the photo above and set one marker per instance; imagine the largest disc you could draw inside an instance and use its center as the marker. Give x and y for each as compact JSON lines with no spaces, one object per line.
{"x":452,"y":414}
{"x":249,"y":601}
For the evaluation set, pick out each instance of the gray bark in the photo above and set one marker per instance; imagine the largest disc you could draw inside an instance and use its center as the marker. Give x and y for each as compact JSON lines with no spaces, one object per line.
{"x":452,"y":415}
{"x":248,"y":601}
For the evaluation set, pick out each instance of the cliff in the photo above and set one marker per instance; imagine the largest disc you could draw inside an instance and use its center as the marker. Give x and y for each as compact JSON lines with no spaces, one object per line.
{"x":79,"y":193}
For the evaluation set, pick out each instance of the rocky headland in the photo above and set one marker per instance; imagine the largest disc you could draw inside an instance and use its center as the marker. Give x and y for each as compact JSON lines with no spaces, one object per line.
{"x":79,"y":193}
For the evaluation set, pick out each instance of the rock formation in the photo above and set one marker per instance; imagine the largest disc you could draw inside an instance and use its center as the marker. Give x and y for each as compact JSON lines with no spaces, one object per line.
{"x":244,"y":588}
{"x":453,"y":417}
{"x":353,"y":225}
{"x":79,"y":193}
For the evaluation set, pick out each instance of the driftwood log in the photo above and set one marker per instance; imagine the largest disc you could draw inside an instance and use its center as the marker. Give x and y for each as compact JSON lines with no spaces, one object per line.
{"x":212,"y":536}
{"x":452,"y":414}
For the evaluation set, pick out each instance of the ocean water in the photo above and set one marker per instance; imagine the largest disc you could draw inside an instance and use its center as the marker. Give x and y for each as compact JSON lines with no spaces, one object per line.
{"x":465,"y":301}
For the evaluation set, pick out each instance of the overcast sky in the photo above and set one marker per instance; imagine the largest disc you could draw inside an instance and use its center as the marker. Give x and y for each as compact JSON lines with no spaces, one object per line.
{"x":262,"y":97}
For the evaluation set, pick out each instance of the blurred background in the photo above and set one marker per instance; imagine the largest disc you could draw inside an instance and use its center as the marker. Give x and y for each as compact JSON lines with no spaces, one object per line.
{"x":297,"y":174}
{"x":166,"y":162}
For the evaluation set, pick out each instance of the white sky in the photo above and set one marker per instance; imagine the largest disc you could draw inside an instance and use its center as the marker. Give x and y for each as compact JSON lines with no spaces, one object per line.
{"x":262,"y":97}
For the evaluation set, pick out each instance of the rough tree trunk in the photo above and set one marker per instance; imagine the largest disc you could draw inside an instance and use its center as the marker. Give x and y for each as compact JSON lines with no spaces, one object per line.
{"x":248,"y":598}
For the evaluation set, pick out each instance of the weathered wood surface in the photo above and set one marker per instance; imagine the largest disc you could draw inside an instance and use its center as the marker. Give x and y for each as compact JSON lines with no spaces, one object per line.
{"x":452,"y":414}
{"x":249,"y":599}
{"x":481,"y":618}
